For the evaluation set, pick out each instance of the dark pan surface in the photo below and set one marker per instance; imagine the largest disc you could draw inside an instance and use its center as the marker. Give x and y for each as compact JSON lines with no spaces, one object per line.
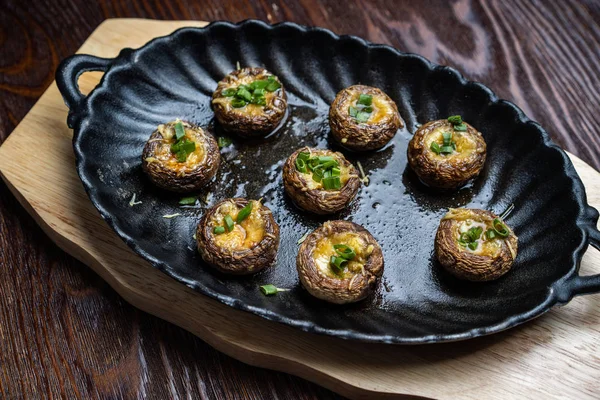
{"x":417,"y":302}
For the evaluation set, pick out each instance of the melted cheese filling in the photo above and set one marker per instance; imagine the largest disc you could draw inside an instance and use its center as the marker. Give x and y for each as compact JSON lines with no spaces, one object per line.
{"x":467,"y":220}
{"x":163,"y":152}
{"x":244,"y":235}
{"x":252,"y":110}
{"x":382,"y":108}
{"x":314,"y":185}
{"x":465,"y":143}
{"x":323,"y":251}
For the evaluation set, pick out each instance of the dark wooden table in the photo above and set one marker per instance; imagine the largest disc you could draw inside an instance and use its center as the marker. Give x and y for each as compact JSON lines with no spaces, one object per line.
{"x":65,"y":333}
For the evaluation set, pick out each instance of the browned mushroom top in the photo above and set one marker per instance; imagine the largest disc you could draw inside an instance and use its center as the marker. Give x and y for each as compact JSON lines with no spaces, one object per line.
{"x":180,"y":159}
{"x":242,"y":235}
{"x":248,"y":92}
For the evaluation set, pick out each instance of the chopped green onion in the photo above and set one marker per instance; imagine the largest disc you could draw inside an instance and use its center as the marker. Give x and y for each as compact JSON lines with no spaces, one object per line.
{"x":228,"y":223}
{"x":490,"y":234}
{"x":179,"y":131}
{"x":465,"y":237}
{"x":462,"y":243}
{"x":337,"y":264}
{"x":269,"y":290}
{"x":244,"y":212}
{"x":301,"y":165}
{"x":344,"y":251}
{"x":329,"y":164}
{"x":460,"y":128}
{"x":500,"y":228}
{"x":237,"y":103}
{"x":365,"y":99}
{"x":273,"y":84}
{"x":229,"y":92}
{"x":303,"y":156}
{"x":259,"y":84}
{"x":244,"y":94}
{"x":447,"y":138}
{"x":352,"y":111}
{"x":223,"y":141}
{"x":186,"y":201}
{"x":362,"y":116}
{"x":475,"y":233}
{"x":435,"y":147}
{"x":218,"y":230}
{"x":335,"y":171}
{"x":455,"y":119}
{"x":446,"y":149}
{"x":324,"y":159}
{"x":259,"y":101}
{"x":367,"y":110}
{"x":332,"y":183}
{"x":472,"y":245}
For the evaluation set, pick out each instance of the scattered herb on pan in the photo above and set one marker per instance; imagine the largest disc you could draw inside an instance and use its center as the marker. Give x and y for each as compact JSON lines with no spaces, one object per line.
{"x":270,"y":290}
{"x":188,"y":201}
{"x":183,"y":146}
{"x":132,"y":202}
{"x":252,"y":93}
{"x":507,"y":212}
{"x":457,"y":123}
{"x":364,"y":177}
{"x":363,"y":108}
{"x":324,"y":169}
{"x":169,"y":216}
{"x":303,"y":238}
{"x":223,"y":141}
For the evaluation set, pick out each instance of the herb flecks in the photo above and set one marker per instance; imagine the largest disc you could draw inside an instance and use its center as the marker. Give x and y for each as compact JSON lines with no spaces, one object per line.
{"x":324,"y":169}
{"x":252,"y":93}
{"x":363,"y":108}
{"x":457,"y":123}
{"x":448,"y":145}
{"x":270,"y":290}
{"x":183,"y":146}
{"x":470,"y":238}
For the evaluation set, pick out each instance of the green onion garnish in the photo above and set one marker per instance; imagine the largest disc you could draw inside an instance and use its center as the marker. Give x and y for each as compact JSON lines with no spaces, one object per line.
{"x":186,"y":201}
{"x":228,"y":223}
{"x":490,"y":234}
{"x":238,"y":103}
{"x":335,"y":171}
{"x":470,"y":237}
{"x":337,"y":264}
{"x":223,"y":141}
{"x":182,"y":148}
{"x":365,"y":99}
{"x":244,"y":212}
{"x":447,"y":138}
{"x":446,"y":150}
{"x":219,"y":230}
{"x":303,"y":156}
{"x":273,"y":84}
{"x":460,"y":127}
{"x":301,"y":165}
{"x":455,"y":119}
{"x":260,"y":84}
{"x":500,"y":228}
{"x":244,"y":94}
{"x":332,"y":183}
{"x":435,"y":147}
{"x":472,"y":245}
{"x":352,"y":111}
{"x":363,"y":116}
{"x":344,"y":251}
{"x":179,"y":131}
{"x":269,"y":290}
{"x":229,"y":92}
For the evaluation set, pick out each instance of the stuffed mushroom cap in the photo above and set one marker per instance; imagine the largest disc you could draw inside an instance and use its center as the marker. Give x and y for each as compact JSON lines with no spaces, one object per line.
{"x":238,"y":236}
{"x":475,"y":245}
{"x":183,"y":164}
{"x":250,"y":102}
{"x":313,"y":194}
{"x":446,"y":167}
{"x":363,"y":118}
{"x":319,"y":255}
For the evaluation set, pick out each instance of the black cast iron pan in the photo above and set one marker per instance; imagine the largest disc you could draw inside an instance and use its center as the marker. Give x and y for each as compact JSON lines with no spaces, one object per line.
{"x":174,"y":76}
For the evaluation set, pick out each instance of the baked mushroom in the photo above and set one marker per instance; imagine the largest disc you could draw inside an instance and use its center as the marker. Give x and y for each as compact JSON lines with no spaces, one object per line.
{"x":238,"y":236}
{"x":340,"y":262}
{"x":447,"y":153}
{"x":475,"y":245}
{"x":363,"y":118}
{"x":320,"y":181}
{"x":250,"y":102}
{"x":180,"y":157}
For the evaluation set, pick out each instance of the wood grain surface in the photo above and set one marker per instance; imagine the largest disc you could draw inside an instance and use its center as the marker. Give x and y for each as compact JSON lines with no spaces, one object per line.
{"x":540,"y":55}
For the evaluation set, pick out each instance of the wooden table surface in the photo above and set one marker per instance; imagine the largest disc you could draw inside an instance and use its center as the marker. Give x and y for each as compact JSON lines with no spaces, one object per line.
{"x":65,"y":333}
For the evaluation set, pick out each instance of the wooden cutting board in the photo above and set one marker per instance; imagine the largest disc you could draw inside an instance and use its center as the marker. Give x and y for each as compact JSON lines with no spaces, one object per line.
{"x":555,"y":356}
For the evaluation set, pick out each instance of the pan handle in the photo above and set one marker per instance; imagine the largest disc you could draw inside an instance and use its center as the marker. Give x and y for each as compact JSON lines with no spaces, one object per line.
{"x":68,"y":73}
{"x":578,"y":284}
